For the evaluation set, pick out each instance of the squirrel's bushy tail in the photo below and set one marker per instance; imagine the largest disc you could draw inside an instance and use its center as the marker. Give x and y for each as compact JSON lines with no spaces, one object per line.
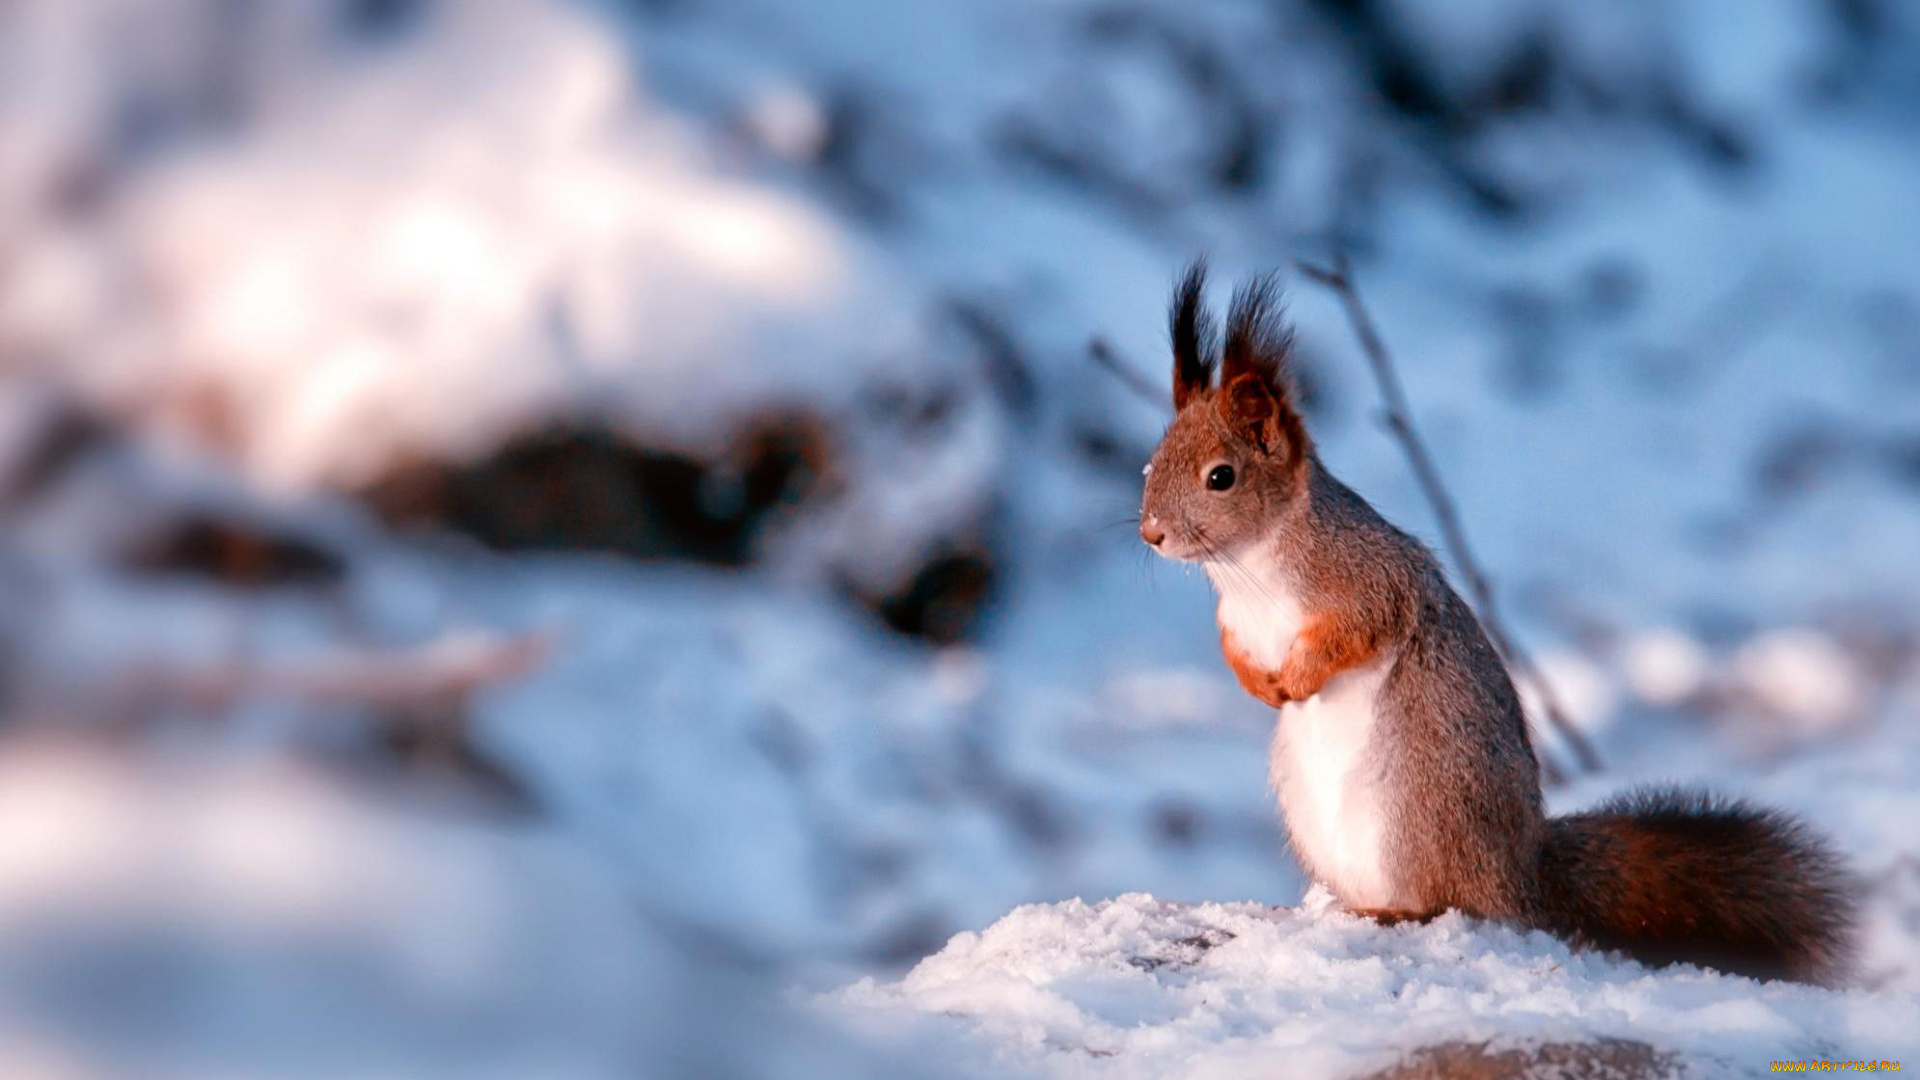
{"x":1669,"y":876}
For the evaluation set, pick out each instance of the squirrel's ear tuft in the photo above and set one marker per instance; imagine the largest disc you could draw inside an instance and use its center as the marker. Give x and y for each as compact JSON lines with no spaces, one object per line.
{"x":1194,"y":337}
{"x":1258,"y":337}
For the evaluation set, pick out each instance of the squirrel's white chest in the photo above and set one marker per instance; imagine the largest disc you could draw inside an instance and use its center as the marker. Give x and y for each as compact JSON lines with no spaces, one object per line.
{"x":1262,"y":613}
{"x":1326,"y":768}
{"x":1324,"y":764}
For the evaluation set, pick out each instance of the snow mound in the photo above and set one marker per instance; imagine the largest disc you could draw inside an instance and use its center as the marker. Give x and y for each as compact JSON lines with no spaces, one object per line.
{"x":1137,"y":986}
{"x":415,"y":250}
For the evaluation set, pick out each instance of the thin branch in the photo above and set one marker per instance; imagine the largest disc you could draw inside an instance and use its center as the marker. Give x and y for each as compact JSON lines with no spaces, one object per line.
{"x":1104,"y":355}
{"x":452,"y":669}
{"x":1399,"y":422}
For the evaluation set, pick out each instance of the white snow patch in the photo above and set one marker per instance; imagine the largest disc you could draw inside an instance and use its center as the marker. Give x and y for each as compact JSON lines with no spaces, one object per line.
{"x":1665,"y":666}
{"x":447,"y":268}
{"x":1138,"y":987}
{"x":1582,"y":688}
{"x":1803,"y":676}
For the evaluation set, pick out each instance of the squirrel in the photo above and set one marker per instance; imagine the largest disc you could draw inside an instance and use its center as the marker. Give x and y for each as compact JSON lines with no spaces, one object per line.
{"x":1400,"y":757}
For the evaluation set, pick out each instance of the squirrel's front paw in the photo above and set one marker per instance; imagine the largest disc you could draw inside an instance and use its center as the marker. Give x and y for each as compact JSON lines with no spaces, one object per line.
{"x":1301,"y":676}
{"x":1264,"y":685}
{"x":1322,"y":649}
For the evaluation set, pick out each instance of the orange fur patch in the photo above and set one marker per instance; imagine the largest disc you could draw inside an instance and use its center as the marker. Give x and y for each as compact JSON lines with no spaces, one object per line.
{"x":1319,"y":652}
{"x":1262,"y":683}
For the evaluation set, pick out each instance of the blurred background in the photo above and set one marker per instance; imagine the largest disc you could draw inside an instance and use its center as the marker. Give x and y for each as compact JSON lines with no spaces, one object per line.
{"x":533,"y":529}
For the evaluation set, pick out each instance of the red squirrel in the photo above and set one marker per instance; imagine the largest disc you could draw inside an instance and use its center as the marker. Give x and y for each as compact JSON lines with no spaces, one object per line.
{"x":1400,"y":756}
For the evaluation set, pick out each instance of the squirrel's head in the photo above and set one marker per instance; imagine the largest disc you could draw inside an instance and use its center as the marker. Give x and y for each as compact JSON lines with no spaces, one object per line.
{"x":1236,"y":455}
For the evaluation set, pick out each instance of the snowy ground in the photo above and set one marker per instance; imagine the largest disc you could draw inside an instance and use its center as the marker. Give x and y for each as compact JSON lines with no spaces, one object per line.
{"x":1647,"y":267}
{"x":1138,"y":987}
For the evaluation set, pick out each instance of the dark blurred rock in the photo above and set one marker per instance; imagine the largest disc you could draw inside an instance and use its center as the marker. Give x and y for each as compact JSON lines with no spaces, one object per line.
{"x":1603,"y":1059}
{"x":595,"y":490}
{"x":942,"y":601}
{"x":233,"y":552}
{"x":589,"y":489}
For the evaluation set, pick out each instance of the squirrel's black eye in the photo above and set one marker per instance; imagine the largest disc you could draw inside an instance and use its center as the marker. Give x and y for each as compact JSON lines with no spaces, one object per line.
{"x":1220,"y":478}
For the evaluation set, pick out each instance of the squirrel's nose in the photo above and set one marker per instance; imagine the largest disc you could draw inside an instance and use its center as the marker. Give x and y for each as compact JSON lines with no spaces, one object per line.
{"x":1151,"y":532}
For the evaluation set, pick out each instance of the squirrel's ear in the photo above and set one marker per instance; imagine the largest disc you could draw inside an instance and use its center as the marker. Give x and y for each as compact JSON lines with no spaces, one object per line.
{"x":1261,"y":413}
{"x":1194,"y":340}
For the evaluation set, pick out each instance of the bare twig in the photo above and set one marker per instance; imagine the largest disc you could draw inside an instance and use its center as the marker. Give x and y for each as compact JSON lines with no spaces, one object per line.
{"x":450,"y":670}
{"x":1104,"y":355}
{"x":1399,"y":422}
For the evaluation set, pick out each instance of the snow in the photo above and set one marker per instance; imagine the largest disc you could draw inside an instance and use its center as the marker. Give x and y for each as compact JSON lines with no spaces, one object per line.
{"x":453,"y":268}
{"x":1664,"y":665}
{"x":1802,"y":676}
{"x":1135,"y":986}
{"x":249,"y":918}
{"x":278,"y":254}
